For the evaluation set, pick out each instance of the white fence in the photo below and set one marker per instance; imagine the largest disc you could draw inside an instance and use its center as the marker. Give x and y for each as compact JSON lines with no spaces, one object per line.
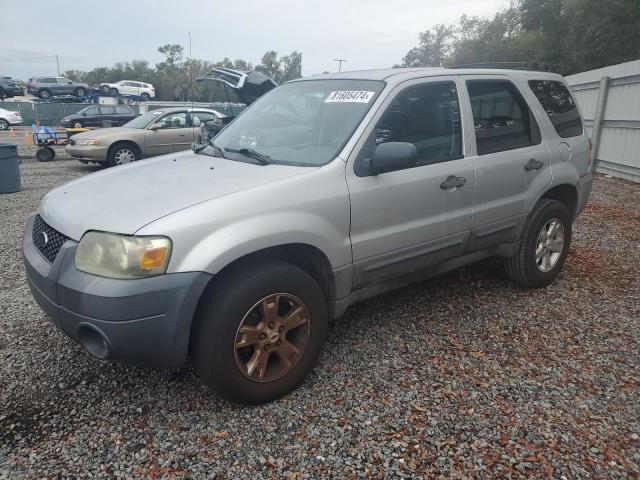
{"x":610,"y":102}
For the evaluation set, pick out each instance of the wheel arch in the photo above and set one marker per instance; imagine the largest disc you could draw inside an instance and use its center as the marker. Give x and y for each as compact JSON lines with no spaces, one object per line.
{"x":566,"y":194}
{"x":124,"y":142}
{"x":302,"y":255}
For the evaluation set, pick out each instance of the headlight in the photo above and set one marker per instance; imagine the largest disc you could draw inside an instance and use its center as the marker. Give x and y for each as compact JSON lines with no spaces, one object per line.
{"x":122,"y":256}
{"x":86,"y":141}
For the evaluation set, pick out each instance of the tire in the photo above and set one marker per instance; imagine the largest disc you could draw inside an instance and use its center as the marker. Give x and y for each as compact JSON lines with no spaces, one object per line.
{"x":52,"y":152}
{"x":234,"y":300}
{"x":80,"y":92}
{"x":122,"y":153}
{"x":77,"y":124}
{"x":113,"y":91}
{"x":145,"y":97}
{"x":4,"y":125}
{"x":44,"y":93}
{"x":2,"y":93}
{"x":44,"y":154}
{"x":529,"y":270}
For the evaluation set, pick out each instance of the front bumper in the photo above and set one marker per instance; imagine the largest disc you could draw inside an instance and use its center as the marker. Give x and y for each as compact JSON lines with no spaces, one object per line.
{"x":95,"y":153}
{"x":143,"y":322}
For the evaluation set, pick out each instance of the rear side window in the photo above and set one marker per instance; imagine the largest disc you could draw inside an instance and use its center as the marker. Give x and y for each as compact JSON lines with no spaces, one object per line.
{"x":123,"y":110}
{"x":502,"y":119}
{"x":559,"y":105}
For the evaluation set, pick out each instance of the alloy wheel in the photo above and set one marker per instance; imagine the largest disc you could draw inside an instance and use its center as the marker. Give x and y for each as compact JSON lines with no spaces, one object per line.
{"x":550,"y":245}
{"x":4,"y":125}
{"x":124,"y":155}
{"x":272,"y":337}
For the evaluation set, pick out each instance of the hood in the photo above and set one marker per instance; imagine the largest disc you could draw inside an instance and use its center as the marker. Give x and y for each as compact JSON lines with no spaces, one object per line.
{"x":105,"y":132}
{"x":126,"y":198}
{"x":248,"y":86}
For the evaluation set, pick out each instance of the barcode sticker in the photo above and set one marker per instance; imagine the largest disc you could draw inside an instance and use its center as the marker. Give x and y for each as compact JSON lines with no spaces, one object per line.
{"x":349,"y":96}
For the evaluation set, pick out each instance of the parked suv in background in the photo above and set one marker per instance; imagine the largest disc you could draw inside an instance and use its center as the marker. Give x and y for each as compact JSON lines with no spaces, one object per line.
{"x":46,"y":87}
{"x":325,"y":191}
{"x":100,"y":116}
{"x":129,"y":87}
{"x":9,"y":88}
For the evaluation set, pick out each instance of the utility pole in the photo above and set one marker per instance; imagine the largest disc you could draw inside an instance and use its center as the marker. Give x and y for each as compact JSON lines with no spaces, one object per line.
{"x":339,"y":60}
{"x":58,"y":64}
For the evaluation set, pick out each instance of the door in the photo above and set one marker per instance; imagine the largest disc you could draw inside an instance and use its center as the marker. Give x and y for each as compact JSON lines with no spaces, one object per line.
{"x":123,"y":114}
{"x":92,"y":117}
{"x":170,"y":133}
{"x":128,"y":88}
{"x":512,"y":161}
{"x":65,"y":86}
{"x":410,"y":219}
{"x":108,"y":116}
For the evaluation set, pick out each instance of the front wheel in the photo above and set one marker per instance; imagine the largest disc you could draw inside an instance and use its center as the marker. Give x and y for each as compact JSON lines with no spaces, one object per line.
{"x":77,"y":124}
{"x":80,"y":92}
{"x":543,"y":247}
{"x":259,"y":331}
{"x":44,"y":94}
{"x":122,"y":154}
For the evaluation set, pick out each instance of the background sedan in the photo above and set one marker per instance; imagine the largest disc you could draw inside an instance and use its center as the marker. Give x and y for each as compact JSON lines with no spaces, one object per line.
{"x":100,"y":116}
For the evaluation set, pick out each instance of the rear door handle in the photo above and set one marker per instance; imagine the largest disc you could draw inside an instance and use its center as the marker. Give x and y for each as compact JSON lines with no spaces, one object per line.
{"x":452,"y":182}
{"x":533,"y":164}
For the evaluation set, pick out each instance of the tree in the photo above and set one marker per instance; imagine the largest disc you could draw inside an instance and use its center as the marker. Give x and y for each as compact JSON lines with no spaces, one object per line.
{"x":568,"y":35}
{"x":434,"y":49}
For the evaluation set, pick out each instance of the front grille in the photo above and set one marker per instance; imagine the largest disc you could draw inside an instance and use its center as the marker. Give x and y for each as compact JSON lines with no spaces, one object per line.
{"x":46,"y":239}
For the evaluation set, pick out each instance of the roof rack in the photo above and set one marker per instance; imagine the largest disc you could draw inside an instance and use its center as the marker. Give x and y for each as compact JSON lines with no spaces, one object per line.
{"x":506,"y":65}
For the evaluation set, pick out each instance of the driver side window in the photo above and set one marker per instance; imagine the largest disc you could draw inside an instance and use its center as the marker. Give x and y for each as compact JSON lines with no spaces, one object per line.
{"x":173,"y":120}
{"x":428,"y":116}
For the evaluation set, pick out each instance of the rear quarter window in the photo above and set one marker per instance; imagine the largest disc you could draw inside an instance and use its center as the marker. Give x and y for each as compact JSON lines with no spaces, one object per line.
{"x":560,"y":106}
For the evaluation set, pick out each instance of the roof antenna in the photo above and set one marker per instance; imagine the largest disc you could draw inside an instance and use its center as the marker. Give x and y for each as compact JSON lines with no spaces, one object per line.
{"x":193,"y":132}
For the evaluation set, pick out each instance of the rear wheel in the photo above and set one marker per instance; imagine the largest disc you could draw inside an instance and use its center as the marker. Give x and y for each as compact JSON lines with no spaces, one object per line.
{"x":122,"y":153}
{"x":543,"y":247}
{"x":80,"y":92}
{"x":145,"y":97}
{"x":4,"y":125}
{"x":259,"y":332}
{"x":77,"y":124}
{"x":45,"y":154}
{"x":44,"y":93}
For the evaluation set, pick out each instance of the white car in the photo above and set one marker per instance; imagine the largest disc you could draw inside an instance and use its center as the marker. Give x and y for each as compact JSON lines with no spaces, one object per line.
{"x":9,"y":118}
{"x":130,"y":87}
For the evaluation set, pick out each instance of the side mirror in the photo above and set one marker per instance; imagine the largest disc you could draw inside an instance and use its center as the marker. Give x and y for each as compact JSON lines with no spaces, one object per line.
{"x":155,"y":126}
{"x":392,"y":156}
{"x":84,"y":114}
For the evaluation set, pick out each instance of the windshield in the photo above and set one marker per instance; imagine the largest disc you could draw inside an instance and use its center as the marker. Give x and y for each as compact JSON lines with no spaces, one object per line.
{"x":301,"y":123}
{"x":143,"y":121}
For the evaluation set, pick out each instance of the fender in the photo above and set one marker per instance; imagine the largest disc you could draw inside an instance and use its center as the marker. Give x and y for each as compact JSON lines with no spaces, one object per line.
{"x":236,"y":240}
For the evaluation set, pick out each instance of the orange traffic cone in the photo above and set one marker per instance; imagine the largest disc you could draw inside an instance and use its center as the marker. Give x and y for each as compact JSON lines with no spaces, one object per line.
{"x":28,"y":140}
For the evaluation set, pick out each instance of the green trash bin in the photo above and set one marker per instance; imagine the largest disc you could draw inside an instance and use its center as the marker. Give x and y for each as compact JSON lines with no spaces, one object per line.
{"x":9,"y":170}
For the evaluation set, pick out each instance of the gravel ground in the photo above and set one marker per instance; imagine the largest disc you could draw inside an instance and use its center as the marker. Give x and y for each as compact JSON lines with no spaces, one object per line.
{"x":462,"y":376}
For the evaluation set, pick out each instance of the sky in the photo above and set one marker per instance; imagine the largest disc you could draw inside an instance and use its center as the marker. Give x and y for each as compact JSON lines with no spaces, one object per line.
{"x":368,"y":33}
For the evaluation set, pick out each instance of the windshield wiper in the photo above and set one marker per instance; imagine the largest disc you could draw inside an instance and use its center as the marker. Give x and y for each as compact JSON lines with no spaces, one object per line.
{"x":251,"y":153}
{"x":217,"y":151}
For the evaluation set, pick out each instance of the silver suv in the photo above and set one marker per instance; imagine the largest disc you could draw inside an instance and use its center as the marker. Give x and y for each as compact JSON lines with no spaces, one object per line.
{"x":324,"y":192}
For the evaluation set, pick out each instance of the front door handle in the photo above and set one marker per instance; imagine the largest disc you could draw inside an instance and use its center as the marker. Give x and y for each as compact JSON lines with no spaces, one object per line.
{"x":452,"y":182}
{"x":533,"y":164}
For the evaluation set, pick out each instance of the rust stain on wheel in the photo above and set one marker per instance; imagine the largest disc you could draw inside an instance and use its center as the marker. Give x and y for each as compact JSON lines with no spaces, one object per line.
{"x":272,"y":337}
